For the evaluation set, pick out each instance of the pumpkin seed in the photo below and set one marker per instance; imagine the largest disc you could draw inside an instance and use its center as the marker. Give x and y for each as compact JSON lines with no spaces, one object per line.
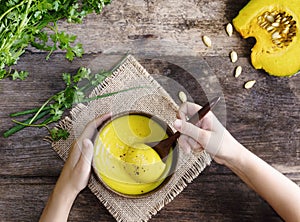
{"x":275,"y":24}
{"x":182,"y":96}
{"x":270,"y":18}
{"x":278,"y":16}
{"x":276,"y":41}
{"x":270,"y":28}
{"x":229,"y":29}
{"x":276,"y":35}
{"x":206,"y":41}
{"x":286,"y":31}
{"x":238,"y":71}
{"x":249,"y":84}
{"x":233,"y":56}
{"x":274,"y":13}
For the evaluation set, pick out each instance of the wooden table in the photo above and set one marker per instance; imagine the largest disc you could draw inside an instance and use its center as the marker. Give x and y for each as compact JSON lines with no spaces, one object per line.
{"x":165,"y":36}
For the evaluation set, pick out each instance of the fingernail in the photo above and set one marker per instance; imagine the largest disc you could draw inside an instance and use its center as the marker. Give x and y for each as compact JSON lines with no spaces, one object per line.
{"x":178,"y":124}
{"x":182,"y":115}
{"x":86,"y":142}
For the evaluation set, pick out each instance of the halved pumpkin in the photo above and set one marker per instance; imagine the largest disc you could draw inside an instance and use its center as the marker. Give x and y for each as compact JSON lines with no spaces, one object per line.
{"x":275,"y":25}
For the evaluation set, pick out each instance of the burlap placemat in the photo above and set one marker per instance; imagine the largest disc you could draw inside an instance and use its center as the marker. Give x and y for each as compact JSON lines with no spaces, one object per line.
{"x":149,"y":97}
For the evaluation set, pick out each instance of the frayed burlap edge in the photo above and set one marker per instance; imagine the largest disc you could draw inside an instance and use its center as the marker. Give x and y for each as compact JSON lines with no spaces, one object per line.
{"x":188,"y":167}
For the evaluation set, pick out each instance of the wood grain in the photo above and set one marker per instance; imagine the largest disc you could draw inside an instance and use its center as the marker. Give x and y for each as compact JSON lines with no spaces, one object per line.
{"x":168,"y":27}
{"x":165,"y":36}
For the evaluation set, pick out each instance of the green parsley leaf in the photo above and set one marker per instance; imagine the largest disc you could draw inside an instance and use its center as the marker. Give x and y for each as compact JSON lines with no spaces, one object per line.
{"x":70,"y":54}
{"x":22,"y":75}
{"x":67,"y":78}
{"x":57,"y":134}
{"x":82,"y":73}
{"x":78,"y":50}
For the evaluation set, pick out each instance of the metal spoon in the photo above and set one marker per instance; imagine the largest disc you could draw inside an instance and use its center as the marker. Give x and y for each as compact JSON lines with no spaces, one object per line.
{"x":163,"y":147}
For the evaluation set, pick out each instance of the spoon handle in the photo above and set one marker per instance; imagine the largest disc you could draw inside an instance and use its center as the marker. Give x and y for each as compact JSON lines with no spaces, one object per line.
{"x":203,"y":111}
{"x":200,"y":114}
{"x":163,"y":147}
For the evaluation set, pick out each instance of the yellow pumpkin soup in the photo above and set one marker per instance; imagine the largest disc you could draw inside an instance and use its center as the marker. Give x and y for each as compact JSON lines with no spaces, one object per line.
{"x":124,"y":167}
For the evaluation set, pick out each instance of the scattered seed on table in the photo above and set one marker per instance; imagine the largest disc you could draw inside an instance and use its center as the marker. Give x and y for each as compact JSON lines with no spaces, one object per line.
{"x":182,"y":96}
{"x":238,"y":71}
{"x":229,"y":29}
{"x":249,"y":84}
{"x":206,"y":40}
{"x":233,"y":56}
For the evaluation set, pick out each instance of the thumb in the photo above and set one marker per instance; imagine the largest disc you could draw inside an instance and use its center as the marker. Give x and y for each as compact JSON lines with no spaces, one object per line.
{"x":87,"y":151}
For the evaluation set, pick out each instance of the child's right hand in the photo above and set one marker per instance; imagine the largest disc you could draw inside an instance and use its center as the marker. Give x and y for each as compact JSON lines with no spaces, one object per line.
{"x":208,"y":134}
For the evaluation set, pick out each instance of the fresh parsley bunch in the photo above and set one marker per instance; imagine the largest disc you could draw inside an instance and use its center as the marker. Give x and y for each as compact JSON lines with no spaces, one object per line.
{"x":77,"y":88}
{"x":34,"y":22}
{"x":53,"y":109}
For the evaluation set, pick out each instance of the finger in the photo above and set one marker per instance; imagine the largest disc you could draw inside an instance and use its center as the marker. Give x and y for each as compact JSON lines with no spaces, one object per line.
{"x":102,"y":118}
{"x":185,"y":146}
{"x":74,"y":154}
{"x":88,"y":133}
{"x":91,"y":127}
{"x":178,"y":115}
{"x":194,"y":144}
{"x":200,"y":135}
{"x":181,"y":115}
{"x":206,"y":122}
{"x":189,"y":108}
{"x":86,"y":153}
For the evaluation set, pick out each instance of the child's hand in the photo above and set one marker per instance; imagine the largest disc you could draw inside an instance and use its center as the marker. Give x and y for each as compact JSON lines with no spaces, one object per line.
{"x":74,"y":176}
{"x":76,"y":171}
{"x":208,"y":134}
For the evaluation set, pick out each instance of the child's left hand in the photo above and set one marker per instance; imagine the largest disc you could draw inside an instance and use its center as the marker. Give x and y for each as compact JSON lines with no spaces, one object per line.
{"x":74,"y":176}
{"x":77,"y":169}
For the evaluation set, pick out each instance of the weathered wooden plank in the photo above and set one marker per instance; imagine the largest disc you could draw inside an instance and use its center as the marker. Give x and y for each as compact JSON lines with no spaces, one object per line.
{"x":161,"y":28}
{"x":209,"y":197}
{"x":217,"y":201}
{"x":23,"y":199}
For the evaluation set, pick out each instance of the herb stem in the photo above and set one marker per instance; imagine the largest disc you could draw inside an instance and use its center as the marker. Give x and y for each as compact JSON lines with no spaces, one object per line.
{"x":29,"y":111}
{"x":25,"y":20}
{"x":12,"y":8}
{"x":28,"y":125}
{"x":55,"y":30}
{"x":48,"y":121}
{"x":109,"y":94}
{"x":119,"y":63}
{"x":20,"y":127}
{"x":40,"y":110}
